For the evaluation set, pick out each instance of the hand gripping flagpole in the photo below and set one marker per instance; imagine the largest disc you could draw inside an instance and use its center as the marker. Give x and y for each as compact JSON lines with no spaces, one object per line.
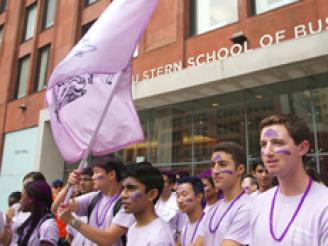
{"x":83,"y":162}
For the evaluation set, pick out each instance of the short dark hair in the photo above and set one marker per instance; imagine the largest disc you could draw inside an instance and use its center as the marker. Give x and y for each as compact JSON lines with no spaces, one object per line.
{"x":182,"y":173}
{"x":257,"y":163}
{"x":236,"y":151}
{"x":146,"y":174}
{"x":210,"y":179}
{"x":109,"y":163}
{"x":35,"y":176}
{"x":172,"y":178}
{"x":87,"y":171}
{"x":15,"y":197}
{"x":296,"y":127}
{"x":195,"y":182}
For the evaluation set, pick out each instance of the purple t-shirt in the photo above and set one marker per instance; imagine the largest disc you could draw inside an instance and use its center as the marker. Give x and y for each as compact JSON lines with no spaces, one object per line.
{"x":234,"y":225}
{"x":102,"y":215}
{"x":310,"y":226}
{"x":156,"y":233}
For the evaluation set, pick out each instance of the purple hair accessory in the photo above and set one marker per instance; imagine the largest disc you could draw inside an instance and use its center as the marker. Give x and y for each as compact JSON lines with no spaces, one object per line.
{"x":283,"y":152}
{"x":284,"y":233}
{"x":213,"y":230}
{"x":271,"y":133}
{"x":184,"y":239}
{"x":105,"y":210}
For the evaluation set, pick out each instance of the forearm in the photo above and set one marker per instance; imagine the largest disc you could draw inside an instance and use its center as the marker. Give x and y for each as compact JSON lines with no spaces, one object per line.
{"x":7,"y":236}
{"x":99,"y":236}
{"x":60,"y":198}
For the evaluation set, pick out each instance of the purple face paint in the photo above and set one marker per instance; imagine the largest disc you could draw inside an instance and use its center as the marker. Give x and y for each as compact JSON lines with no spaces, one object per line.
{"x":283,"y":152}
{"x":188,"y":199}
{"x":217,"y":158}
{"x":271,"y":133}
{"x":99,"y":177}
{"x":135,"y":196}
{"x":226,"y":171}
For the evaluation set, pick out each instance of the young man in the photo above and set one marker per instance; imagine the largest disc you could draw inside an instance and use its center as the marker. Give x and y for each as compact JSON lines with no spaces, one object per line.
{"x":14,"y":198}
{"x":166,"y":206}
{"x":105,"y":227}
{"x":142,"y":187}
{"x":211,"y":195}
{"x":228,"y":222}
{"x":74,"y":237}
{"x":263,"y":178}
{"x":249,"y":184}
{"x":190,"y":193}
{"x":296,"y":211}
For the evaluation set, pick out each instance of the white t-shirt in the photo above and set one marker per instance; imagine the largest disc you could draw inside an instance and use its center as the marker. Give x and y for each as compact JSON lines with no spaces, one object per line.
{"x":102,"y":215}
{"x":189,"y":232}
{"x":310,"y":226}
{"x":209,"y":207}
{"x":18,"y":219}
{"x":78,"y":238}
{"x":156,"y":233}
{"x":234,"y":225}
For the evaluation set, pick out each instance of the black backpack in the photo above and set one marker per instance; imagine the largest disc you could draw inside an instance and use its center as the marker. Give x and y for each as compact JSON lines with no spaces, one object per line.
{"x":117,"y":207}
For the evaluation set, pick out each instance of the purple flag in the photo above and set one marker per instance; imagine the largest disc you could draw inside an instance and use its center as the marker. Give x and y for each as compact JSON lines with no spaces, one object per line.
{"x":89,"y":92}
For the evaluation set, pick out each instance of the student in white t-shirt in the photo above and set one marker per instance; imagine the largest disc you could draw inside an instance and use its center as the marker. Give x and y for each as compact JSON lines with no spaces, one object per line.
{"x":228,"y":222}
{"x":296,"y":211}
{"x":190,"y":193}
{"x":263,"y":178}
{"x":142,"y":186}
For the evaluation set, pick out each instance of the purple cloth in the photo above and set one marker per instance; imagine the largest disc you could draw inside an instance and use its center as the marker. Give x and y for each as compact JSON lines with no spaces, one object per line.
{"x":96,"y":70}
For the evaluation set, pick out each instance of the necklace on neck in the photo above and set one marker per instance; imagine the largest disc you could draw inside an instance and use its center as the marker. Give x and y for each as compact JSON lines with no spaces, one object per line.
{"x":100,"y":222}
{"x":284,"y":233}
{"x":213,"y":230}
{"x":184,"y":240}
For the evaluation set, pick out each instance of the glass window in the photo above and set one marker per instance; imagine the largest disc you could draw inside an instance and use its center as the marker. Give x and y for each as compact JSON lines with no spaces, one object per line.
{"x":42,"y":68}
{"x":3,"y":5}
{"x":211,"y":14}
{"x":30,"y":22}
{"x":89,"y":2}
{"x":1,"y":36}
{"x":262,"y":6}
{"x":22,"y":76}
{"x":49,"y":14}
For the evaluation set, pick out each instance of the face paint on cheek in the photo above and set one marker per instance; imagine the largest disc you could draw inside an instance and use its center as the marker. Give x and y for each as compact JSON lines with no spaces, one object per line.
{"x":188,"y":199}
{"x":226,"y":171}
{"x":271,"y":133}
{"x":217,"y":158}
{"x":99,"y":177}
{"x":283,"y":152}
{"x":135,"y":196}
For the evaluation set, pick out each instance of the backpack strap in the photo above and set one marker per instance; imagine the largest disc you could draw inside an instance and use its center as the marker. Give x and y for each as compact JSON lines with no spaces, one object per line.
{"x":92,"y":204}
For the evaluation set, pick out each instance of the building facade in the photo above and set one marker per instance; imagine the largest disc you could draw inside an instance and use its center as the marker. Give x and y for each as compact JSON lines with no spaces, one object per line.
{"x":205,"y":71}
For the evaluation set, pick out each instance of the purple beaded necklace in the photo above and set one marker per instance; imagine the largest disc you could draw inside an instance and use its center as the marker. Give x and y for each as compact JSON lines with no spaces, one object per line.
{"x":224,"y":214}
{"x":100,"y":222}
{"x":184,"y":240}
{"x":284,"y":233}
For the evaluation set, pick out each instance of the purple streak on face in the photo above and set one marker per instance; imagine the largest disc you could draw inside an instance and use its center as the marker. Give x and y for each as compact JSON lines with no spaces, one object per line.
{"x":217,"y":158}
{"x":99,"y":177}
{"x":135,"y":196}
{"x":262,"y":152}
{"x":283,"y":152}
{"x":189,"y":199}
{"x":271,"y":133}
{"x":227,"y":171}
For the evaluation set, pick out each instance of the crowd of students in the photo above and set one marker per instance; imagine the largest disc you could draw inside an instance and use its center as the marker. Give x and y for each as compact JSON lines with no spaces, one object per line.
{"x":139,"y":205}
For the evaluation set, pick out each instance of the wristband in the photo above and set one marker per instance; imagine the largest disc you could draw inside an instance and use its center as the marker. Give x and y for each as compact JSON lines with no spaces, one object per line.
{"x":76,"y":224}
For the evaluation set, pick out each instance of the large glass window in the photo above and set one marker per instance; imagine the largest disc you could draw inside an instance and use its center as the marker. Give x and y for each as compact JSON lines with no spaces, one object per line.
{"x":30,"y":22}
{"x":22,"y":76}
{"x":211,"y":14}
{"x":3,"y":5}
{"x":262,"y":6}
{"x":41,"y":68}
{"x":49,"y":13}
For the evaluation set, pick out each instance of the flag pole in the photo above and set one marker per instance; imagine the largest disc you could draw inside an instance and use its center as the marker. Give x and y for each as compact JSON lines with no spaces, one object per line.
{"x":83,"y":162}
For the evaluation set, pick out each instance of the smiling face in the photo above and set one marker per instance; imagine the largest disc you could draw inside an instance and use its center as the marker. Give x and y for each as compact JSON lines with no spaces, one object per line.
{"x":225,"y":171}
{"x":186,"y":199}
{"x":279,"y":152}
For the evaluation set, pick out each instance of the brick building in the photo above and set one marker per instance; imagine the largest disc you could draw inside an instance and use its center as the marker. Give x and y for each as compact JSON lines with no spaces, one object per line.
{"x":205,"y":71}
